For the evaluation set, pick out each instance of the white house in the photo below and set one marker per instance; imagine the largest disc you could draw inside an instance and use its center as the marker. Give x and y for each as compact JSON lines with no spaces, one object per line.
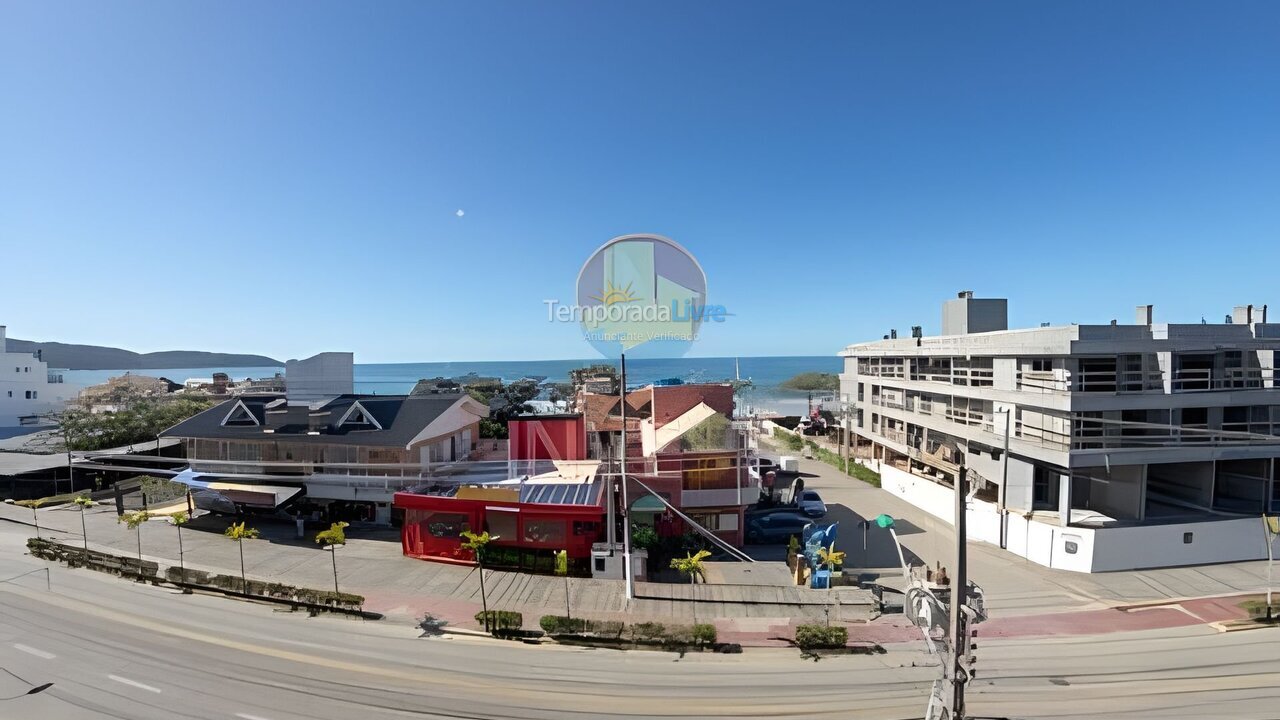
{"x":29,"y":390}
{"x":1088,"y":447}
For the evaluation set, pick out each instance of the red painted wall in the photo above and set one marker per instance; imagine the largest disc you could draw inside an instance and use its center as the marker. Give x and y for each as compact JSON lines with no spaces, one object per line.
{"x":431,"y":526}
{"x":547,"y":438}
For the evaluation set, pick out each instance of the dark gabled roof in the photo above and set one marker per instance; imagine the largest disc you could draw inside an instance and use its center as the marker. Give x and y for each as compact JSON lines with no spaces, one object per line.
{"x":401,"y":417}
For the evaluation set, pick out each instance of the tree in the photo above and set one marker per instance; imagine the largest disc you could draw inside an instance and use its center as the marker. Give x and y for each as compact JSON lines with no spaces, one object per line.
{"x":177,"y":520}
{"x":240,"y":533}
{"x":477,"y":544}
{"x":138,"y":419}
{"x":83,"y":501}
{"x":35,"y":517}
{"x":515,"y":398}
{"x":829,"y":558}
{"x":691,"y":565}
{"x":562,"y":569}
{"x":135,"y":520}
{"x":707,"y":435}
{"x":333,"y":537}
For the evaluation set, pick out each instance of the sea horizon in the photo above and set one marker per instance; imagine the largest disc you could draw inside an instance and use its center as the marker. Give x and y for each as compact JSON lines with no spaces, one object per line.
{"x":766,"y":373}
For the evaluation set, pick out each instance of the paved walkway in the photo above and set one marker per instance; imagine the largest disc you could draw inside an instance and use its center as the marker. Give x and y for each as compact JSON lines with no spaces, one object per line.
{"x":405,"y":588}
{"x":1013,"y":585}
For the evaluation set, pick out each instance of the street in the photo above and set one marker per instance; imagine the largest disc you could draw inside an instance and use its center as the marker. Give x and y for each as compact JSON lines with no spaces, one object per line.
{"x":118,"y":649}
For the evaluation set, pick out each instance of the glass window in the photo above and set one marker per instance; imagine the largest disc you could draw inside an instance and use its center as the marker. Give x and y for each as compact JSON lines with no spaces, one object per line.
{"x":498,"y":522}
{"x":447,"y":525}
{"x":544,"y":531}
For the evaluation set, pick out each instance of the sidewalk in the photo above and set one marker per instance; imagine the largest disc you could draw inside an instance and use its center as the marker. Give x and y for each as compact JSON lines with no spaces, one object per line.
{"x":1013,"y":585}
{"x":371,"y":564}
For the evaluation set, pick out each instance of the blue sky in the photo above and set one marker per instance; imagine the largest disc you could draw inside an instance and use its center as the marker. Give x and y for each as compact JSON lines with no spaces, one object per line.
{"x":283,"y":177}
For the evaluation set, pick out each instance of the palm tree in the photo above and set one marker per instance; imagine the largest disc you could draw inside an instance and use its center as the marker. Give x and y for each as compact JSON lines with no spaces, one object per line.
{"x":691,"y":565}
{"x":134,"y":520}
{"x":333,"y":537}
{"x":177,"y":520}
{"x":476,"y":544}
{"x":562,"y":569}
{"x":240,"y":533}
{"x":83,"y":501}
{"x":830,"y":558}
{"x":35,"y":517}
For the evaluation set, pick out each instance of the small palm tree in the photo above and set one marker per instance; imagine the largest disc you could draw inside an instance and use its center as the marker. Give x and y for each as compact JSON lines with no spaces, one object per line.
{"x":83,"y":501}
{"x":829,"y":558}
{"x":35,"y":517}
{"x":135,"y":520}
{"x":335,"y":536}
{"x":562,"y":569}
{"x":691,"y":565}
{"x":240,"y":533}
{"x":476,"y":544}
{"x":177,"y":520}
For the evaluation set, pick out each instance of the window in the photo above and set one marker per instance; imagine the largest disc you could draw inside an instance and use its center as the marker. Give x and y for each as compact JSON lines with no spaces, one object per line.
{"x":447,"y":525}
{"x":710,"y":521}
{"x":1042,"y":365}
{"x":35,"y":394}
{"x":1186,"y":538}
{"x":600,"y":564}
{"x":584,"y":527}
{"x":544,"y":532}
{"x":10,"y":393}
{"x":28,"y":394}
{"x":502,"y":523}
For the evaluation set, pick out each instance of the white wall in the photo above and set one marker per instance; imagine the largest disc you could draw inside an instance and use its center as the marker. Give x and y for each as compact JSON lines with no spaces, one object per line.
{"x":1147,"y":546}
{"x":22,"y":373}
{"x":1097,"y":549}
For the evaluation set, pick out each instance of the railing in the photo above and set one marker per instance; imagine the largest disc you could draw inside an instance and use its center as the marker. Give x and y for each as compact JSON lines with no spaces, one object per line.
{"x":1099,"y":434}
{"x":1103,"y":381}
{"x":1200,"y":380}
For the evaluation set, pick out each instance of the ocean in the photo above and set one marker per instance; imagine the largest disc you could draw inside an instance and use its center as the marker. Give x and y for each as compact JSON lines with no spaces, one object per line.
{"x":766,"y":374}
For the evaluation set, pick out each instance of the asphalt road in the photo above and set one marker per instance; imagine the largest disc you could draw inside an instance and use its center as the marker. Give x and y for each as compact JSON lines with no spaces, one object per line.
{"x":117,"y":649}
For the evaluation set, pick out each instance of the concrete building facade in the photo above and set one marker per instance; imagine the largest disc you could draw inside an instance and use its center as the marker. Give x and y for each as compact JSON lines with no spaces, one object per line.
{"x":1088,"y":447}
{"x":29,"y":390}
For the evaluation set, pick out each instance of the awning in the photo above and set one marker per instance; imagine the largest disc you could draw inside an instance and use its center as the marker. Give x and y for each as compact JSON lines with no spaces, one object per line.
{"x":217,"y":491}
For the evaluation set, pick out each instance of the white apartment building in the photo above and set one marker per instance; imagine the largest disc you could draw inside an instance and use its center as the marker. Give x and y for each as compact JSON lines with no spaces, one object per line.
{"x":29,"y":390}
{"x":1128,"y":446}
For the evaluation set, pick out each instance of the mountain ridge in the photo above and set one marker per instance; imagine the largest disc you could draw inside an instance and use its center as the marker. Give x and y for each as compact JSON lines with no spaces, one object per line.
{"x":100,"y":357}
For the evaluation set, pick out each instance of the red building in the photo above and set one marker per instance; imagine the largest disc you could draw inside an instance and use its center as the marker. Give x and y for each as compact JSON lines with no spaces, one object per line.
{"x":532,"y":519}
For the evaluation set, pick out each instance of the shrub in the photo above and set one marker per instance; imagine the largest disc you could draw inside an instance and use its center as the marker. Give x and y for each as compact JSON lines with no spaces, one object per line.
{"x":561,"y":625}
{"x":812,"y":637}
{"x":789,"y":441}
{"x":648,"y":631}
{"x":704,"y":633}
{"x":501,"y":620}
{"x":605,"y":628}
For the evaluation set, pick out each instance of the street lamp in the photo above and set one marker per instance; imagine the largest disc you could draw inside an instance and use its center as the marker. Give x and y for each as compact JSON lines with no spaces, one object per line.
{"x":886,"y":522}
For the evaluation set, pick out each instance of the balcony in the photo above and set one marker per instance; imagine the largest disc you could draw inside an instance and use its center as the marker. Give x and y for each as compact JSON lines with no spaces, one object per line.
{"x":1090,"y":381}
{"x":1206,"y":379}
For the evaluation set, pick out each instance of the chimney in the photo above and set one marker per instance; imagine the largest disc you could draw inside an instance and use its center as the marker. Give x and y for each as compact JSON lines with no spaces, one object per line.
{"x":1145,"y":314}
{"x":965,"y":294}
{"x":1262,"y":319}
{"x":1242,"y":315}
{"x":3,"y":341}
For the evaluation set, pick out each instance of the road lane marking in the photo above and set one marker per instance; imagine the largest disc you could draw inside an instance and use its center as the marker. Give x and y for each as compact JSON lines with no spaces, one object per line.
{"x":134,"y":683}
{"x":247,"y":716}
{"x":33,"y":651}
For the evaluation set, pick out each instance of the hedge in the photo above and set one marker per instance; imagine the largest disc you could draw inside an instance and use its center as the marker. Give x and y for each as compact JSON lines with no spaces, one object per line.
{"x":645,"y":632}
{"x":812,"y":637}
{"x":501,"y":620}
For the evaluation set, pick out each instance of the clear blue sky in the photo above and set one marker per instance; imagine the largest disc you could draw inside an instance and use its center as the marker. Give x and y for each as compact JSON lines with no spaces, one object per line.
{"x":283,"y":177}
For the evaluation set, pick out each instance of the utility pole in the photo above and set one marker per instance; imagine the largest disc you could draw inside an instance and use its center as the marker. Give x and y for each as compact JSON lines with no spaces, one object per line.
{"x":956,"y":670}
{"x":1002,"y":511}
{"x":626,"y":507}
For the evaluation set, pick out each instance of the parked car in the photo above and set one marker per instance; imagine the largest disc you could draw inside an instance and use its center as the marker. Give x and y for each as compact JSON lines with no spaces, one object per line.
{"x":810,"y":503}
{"x":775,"y":527}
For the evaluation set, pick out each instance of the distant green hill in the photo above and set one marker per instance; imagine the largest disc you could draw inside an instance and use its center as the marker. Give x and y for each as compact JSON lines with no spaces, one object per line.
{"x":96,"y":357}
{"x":813,"y":381}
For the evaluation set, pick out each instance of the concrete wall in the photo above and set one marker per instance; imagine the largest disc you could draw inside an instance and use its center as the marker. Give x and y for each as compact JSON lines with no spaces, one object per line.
{"x":1081,"y":549}
{"x":1216,"y":541}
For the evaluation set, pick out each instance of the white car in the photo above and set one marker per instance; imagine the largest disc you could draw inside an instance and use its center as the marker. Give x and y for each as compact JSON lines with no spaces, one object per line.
{"x":810,"y":503}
